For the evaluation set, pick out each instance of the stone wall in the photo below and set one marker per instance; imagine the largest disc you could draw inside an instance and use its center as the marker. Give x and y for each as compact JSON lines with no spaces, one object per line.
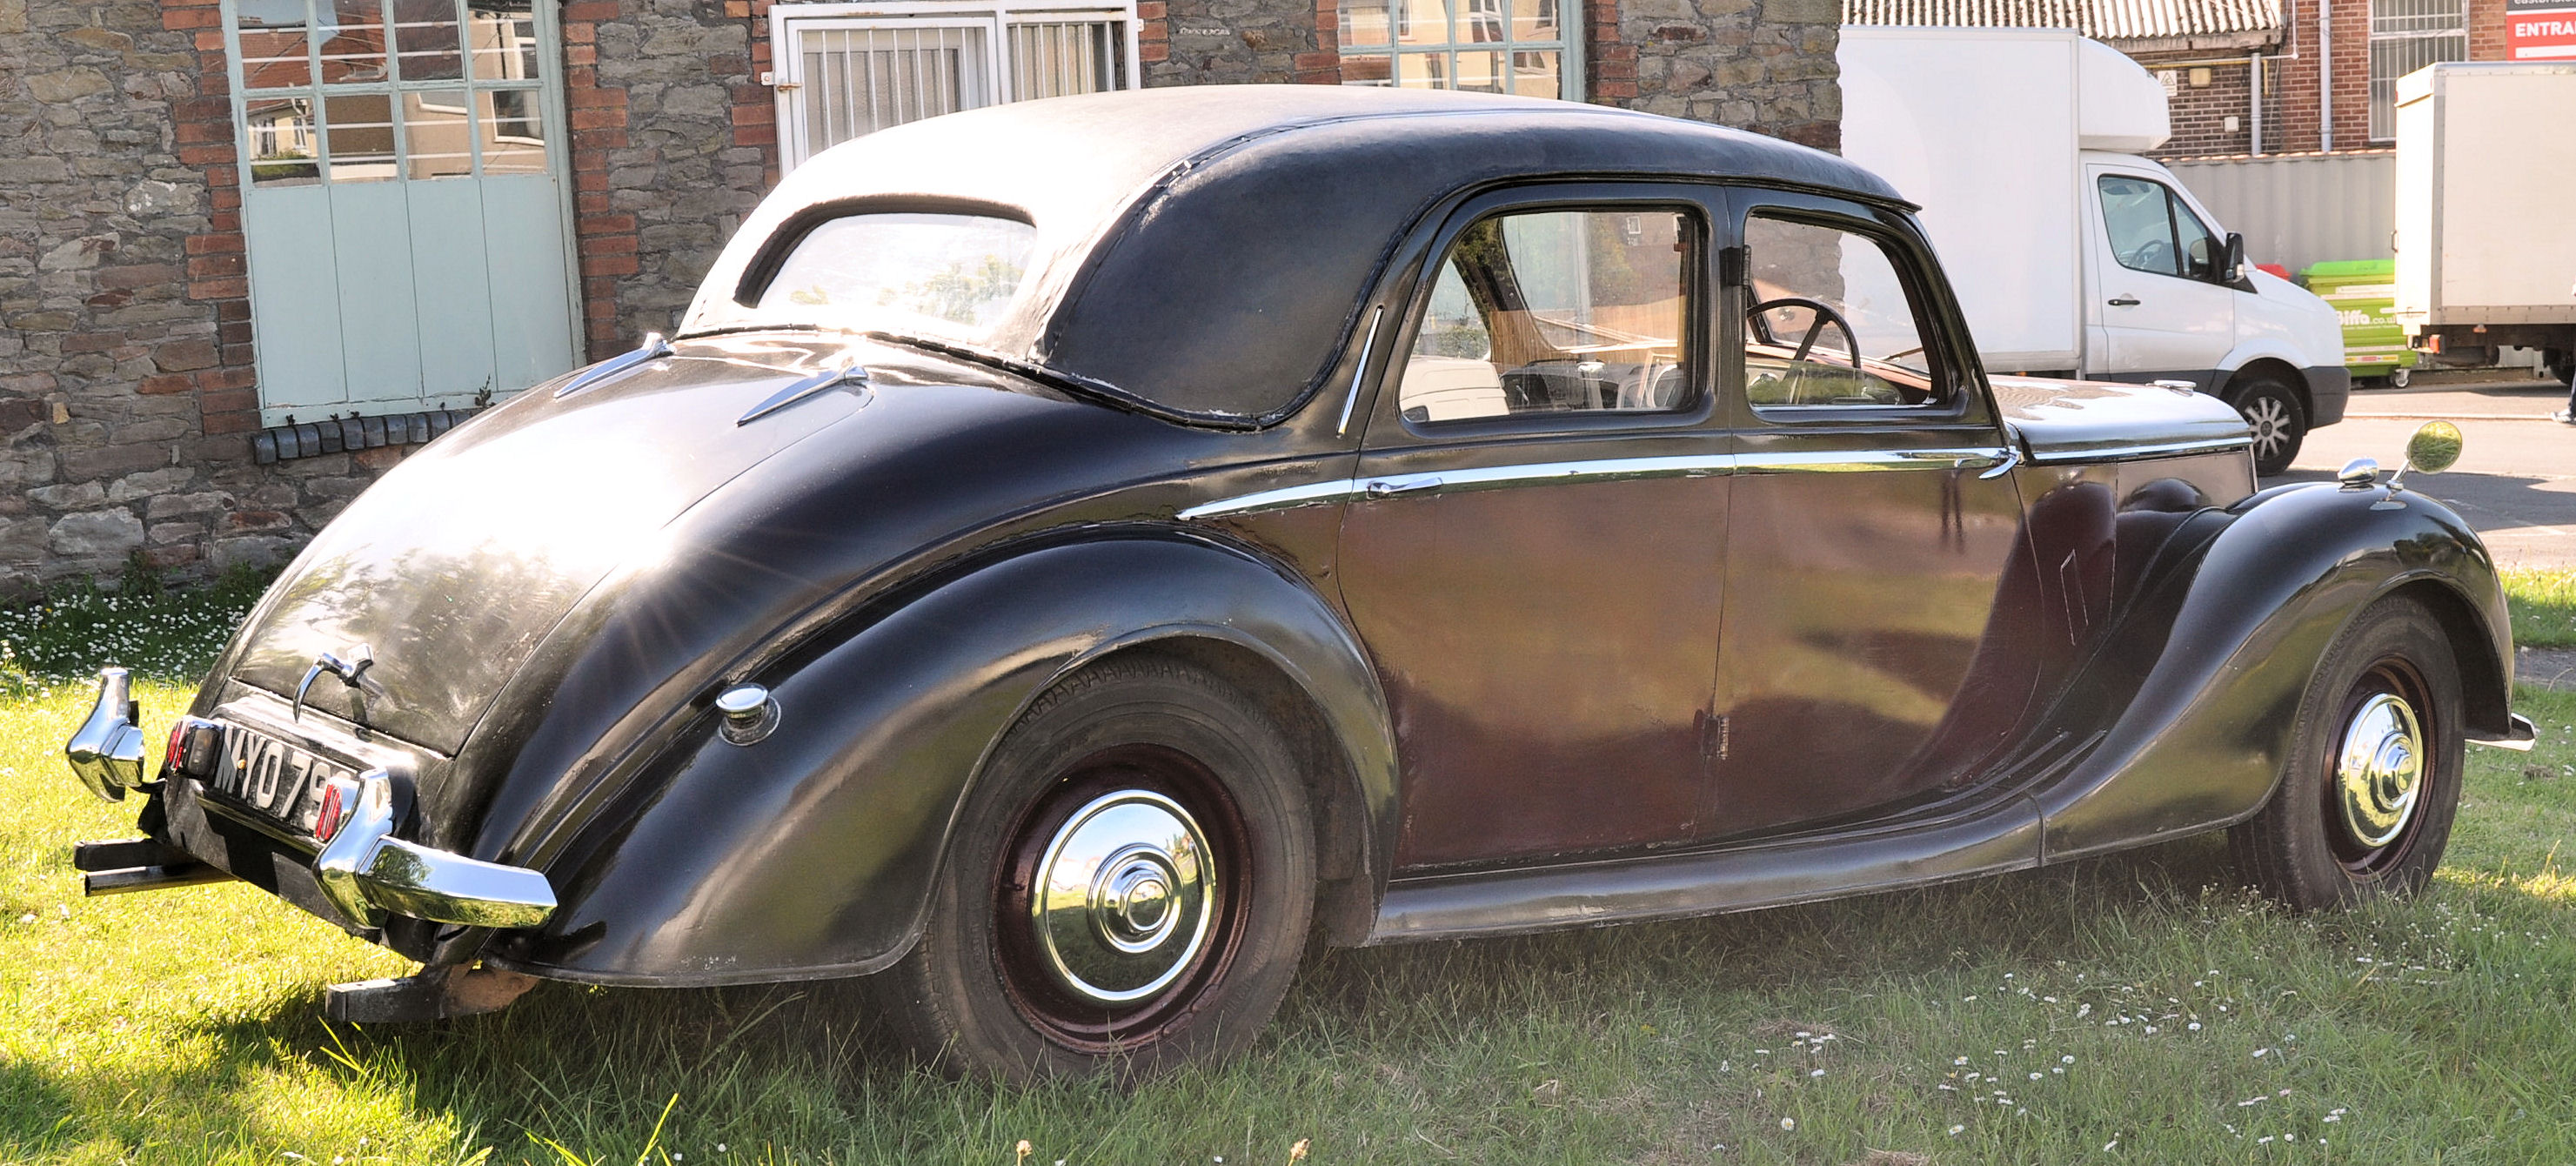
{"x":1761,"y":65}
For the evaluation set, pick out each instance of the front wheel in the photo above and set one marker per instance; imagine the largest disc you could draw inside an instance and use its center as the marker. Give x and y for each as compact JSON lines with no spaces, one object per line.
{"x":2272,"y":410}
{"x":1129,"y":889}
{"x":2401,"y":378}
{"x":2364,"y":806}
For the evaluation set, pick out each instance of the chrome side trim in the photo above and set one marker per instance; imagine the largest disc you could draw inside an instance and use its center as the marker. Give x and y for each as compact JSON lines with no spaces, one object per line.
{"x":847,"y":373}
{"x":1284,"y":498}
{"x":1868,"y":460}
{"x":2132,"y":452}
{"x":106,"y":752}
{"x":1368,"y":344}
{"x":653,"y":348}
{"x":365,"y":871}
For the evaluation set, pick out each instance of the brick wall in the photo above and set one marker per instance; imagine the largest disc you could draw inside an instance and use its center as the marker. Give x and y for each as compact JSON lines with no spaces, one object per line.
{"x":2210,"y":101}
{"x":2297,"y":77}
{"x":1761,"y":65}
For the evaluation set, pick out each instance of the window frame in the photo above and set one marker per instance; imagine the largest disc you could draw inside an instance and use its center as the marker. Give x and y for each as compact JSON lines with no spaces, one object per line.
{"x":2177,"y":209}
{"x":2392,"y":29}
{"x":1568,"y":43}
{"x":1936,"y":317}
{"x":996,"y":19}
{"x":1702,"y":210}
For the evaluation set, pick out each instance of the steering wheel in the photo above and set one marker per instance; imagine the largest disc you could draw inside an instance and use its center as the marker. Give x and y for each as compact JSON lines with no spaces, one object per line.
{"x":1825,"y":314}
{"x":2154,"y":255}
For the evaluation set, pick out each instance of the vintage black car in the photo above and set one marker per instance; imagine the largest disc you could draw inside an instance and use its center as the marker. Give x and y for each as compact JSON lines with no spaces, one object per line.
{"x":1073,"y":552}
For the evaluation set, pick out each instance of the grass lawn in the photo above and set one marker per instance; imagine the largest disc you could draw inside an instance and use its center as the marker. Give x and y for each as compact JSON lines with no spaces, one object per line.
{"x":2131,"y":1008}
{"x":2544,"y":608}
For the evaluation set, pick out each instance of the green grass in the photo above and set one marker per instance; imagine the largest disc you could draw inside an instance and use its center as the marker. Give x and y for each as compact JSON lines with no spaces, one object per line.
{"x":2544,"y":607}
{"x":2157,"y":1009}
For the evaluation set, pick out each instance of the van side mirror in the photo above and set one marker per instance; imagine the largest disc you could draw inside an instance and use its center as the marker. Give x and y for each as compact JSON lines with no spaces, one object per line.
{"x":2234,"y":268}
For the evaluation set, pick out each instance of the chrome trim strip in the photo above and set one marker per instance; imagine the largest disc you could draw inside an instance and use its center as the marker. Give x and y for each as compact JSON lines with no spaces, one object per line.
{"x":828,"y":378}
{"x":1602,"y":469}
{"x":653,"y":348}
{"x":2127,"y":452}
{"x":1868,"y":460}
{"x":1368,"y":344}
{"x":1284,"y":498}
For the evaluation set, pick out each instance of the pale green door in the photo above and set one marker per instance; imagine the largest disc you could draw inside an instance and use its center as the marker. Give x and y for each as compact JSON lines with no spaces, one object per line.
{"x":404,"y":201}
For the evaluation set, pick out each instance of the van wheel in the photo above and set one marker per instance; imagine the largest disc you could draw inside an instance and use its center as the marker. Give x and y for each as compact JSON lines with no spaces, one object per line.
{"x":2400,"y":378}
{"x":2364,"y":805}
{"x":2272,"y":410}
{"x":1129,"y":888}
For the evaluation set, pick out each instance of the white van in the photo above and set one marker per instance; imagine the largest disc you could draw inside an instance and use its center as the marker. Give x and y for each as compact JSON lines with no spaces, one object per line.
{"x":2072,"y":257}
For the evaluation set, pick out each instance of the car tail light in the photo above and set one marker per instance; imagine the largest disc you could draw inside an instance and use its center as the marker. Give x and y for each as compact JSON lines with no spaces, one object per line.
{"x":193,"y":745}
{"x":339,"y":797}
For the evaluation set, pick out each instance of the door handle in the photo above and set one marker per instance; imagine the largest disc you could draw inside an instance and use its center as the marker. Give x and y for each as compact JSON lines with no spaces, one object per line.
{"x":2124,"y":301}
{"x":2004,"y":464}
{"x":1389,"y":487}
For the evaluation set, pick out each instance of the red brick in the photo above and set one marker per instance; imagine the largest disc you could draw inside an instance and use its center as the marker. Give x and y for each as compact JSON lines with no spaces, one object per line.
{"x":219,"y":289}
{"x":202,"y":109}
{"x":1318,"y":60}
{"x":175,"y":382}
{"x":608,"y":245}
{"x":581,"y":54}
{"x":610,"y":265}
{"x":606,"y":224}
{"x":231,"y":422}
{"x":1150,"y":9}
{"x":238,"y":355}
{"x":755,"y":135}
{"x":233,"y":333}
{"x":737,"y":9}
{"x":596,"y":98}
{"x":590,"y":202}
{"x":608,"y":139}
{"x":187,"y":18}
{"x":214,"y":244}
{"x":210,"y":266}
{"x":227,"y":378}
{"x":593,"y":10}
{"x":228,"y":401}
{"x":233,"y":311}
{"x":1153,"y":52}
{"x":598,"y":119}
{"x":193,"y":132}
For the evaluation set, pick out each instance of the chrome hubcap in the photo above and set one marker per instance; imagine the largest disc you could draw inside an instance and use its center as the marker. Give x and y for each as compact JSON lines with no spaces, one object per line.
{"x":2380,"y":770}
{"x":1124,"y":896}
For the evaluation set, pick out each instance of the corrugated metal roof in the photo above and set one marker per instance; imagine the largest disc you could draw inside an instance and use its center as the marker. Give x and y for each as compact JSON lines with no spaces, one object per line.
{"x":2109,"y":20}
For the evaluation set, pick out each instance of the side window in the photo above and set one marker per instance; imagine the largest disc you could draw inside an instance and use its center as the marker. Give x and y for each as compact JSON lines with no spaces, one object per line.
{"x":1831,"y":321}
{"x":1555,"y":311}
{"x":2200,"y":249}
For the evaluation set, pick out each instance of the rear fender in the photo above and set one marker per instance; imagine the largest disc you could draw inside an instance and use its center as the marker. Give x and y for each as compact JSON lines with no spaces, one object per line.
{"x":2195,"y":690}
{"x":812,"y":853}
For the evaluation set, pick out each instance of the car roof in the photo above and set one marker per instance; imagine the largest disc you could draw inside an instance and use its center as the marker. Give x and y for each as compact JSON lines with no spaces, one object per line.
{"x":1203,"y":250}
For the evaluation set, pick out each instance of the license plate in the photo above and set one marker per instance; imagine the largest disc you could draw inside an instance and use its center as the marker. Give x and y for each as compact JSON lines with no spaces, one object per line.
{"x":280,"y":781}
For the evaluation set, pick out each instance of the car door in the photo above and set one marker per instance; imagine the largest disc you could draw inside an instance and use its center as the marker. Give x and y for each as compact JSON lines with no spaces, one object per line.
{"x":2163,"y":309}
{"x":1870,"y":651}
{"x":1534,"y":557}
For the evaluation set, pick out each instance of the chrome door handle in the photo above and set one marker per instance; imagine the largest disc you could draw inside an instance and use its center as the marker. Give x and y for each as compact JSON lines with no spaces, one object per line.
{"x":2124,"y":301}
{"x":1389,"y":487}
{"x":2003,"y":465}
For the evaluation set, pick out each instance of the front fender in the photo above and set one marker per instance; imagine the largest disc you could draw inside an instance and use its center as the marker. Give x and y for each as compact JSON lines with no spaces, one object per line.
{"x":2195,"y":692}
{"x":812,"y":853}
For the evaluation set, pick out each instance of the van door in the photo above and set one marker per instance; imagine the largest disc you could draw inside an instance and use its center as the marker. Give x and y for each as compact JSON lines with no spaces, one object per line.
{"x":2163,"y":309}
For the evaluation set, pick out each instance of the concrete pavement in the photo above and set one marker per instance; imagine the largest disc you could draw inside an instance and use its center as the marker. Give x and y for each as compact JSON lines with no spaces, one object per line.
{"x":2516,"y":481}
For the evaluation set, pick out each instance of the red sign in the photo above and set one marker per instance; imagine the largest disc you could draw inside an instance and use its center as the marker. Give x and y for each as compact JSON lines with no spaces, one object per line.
{"x":2540,"y":30}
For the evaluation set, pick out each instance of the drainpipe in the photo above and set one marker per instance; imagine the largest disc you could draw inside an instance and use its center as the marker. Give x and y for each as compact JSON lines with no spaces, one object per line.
{"x":2325,"y":75}
{"x":2257,"y":112}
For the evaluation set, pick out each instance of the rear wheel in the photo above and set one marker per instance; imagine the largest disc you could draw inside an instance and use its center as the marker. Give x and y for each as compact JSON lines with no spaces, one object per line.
{"x":2401,"y":378}
{"x":1130,"y":887}
{"x":2365,"y":804}
{"x":2272,"y":410}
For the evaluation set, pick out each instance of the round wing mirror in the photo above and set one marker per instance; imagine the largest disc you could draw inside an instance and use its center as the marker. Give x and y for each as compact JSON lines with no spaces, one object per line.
{"x":2434,"y":448}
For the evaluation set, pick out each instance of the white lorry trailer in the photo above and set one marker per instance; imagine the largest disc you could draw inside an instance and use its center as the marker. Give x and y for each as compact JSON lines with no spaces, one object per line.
{"x":2070,"y":256}
{"x":2486,"y":211}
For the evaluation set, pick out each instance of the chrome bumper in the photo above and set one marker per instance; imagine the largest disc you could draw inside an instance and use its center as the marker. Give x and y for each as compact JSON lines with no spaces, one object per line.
{"x":2519,"y":735}
{"x":363,"y":869}
{"x":106,"y":752}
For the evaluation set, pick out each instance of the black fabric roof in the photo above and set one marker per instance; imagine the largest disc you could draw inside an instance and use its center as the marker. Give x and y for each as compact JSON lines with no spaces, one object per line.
{"x":1203,"y":249}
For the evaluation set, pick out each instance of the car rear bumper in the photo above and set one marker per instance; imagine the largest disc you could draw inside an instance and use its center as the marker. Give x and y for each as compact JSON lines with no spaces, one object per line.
{"x":361,"y":871}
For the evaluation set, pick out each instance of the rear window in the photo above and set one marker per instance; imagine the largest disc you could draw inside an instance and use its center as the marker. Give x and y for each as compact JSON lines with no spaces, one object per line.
{"x":939,"y":274}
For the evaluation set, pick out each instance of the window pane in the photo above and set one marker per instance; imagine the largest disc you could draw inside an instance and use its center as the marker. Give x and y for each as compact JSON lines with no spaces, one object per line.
{"x":2406,"y":35}
{"x":1482,"y":72}
{"x":1422,"y":70}
{"x":1534,"y":74}
{"x":2141,"y":233}
{"x":1056,"y":59}
{"x":2199,"y":248}
{"x":425,"y":42}
{"x":505,"y":39}
{"x":514,"y":133}
{"x":1480,"y":22}
{"x":861,"y":80}
{"x":1555,"y":312}
{"x":361,"y":128}
{"x":1365,"y":25}
{"x":353,"y":44}
{"x":282,"y":149}
{"x":1831,"y":322}
{"x":437,"y":137}
{"x":1534,"y":20}
{"x":273,"y":44}
{"x":1421,"y":22}
{"x":934,"y":273}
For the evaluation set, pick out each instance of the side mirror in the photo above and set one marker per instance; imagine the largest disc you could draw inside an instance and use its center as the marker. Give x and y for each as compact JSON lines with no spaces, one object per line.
{"x":2434,"y":448}
{"x":2234,"y":268}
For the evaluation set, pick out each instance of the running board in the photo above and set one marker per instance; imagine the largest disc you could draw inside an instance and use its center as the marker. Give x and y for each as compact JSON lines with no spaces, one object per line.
{"x":1777,"y":873}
